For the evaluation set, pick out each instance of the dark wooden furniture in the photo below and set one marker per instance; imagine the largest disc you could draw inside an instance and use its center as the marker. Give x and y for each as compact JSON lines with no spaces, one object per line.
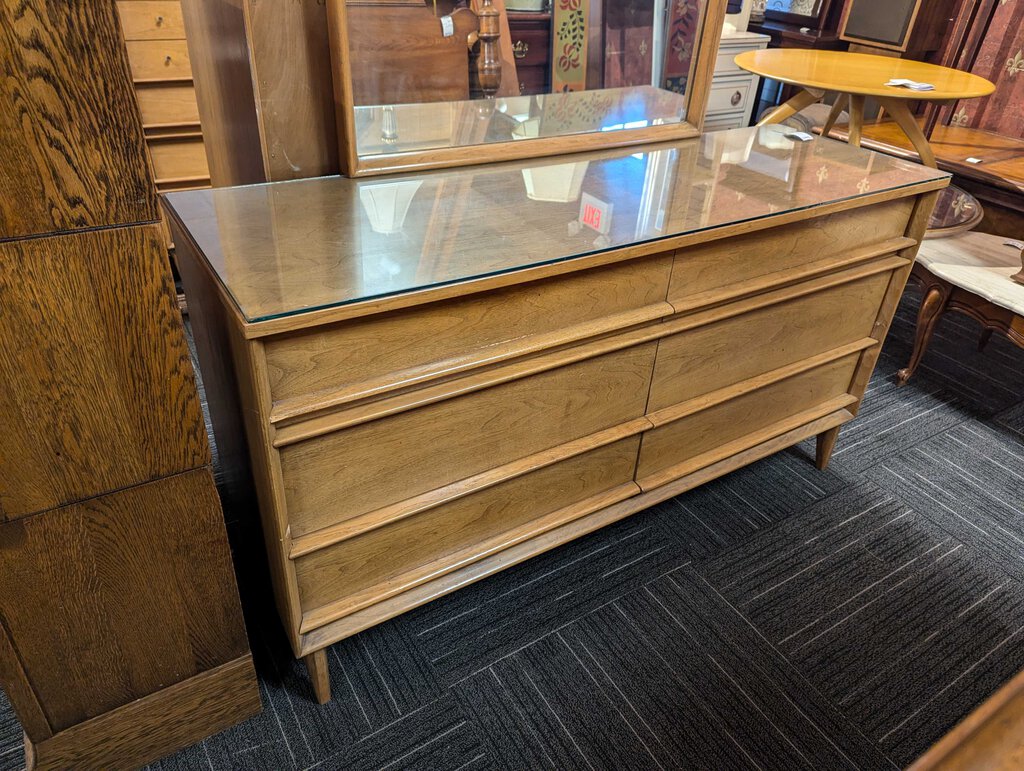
{"x":121,"y":634}
{"x":531,"y":47}
{"x":967,"y":291}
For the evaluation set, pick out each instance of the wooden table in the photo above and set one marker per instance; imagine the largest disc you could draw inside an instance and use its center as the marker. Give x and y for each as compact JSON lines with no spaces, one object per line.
{"x":856,"y":76}
{"x":440,"y":375}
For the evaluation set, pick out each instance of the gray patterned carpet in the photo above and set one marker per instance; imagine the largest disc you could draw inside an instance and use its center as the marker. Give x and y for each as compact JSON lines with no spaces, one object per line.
{"x":778,"y":618}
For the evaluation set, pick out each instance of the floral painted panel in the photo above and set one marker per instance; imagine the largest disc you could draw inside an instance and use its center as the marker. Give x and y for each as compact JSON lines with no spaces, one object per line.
{"x":569,"y":62}
{"x":1001,"y":60}
{"x":684,"y":24}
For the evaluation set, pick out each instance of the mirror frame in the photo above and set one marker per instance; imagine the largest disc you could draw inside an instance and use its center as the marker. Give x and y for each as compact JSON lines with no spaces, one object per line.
{"x":697,"y":92}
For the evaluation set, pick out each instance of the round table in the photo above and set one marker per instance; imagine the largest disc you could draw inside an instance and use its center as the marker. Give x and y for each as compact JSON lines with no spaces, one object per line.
{"x":856,"y":76}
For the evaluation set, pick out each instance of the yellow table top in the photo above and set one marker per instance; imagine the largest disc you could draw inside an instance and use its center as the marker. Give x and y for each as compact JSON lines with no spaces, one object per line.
{"x":854,"y":73}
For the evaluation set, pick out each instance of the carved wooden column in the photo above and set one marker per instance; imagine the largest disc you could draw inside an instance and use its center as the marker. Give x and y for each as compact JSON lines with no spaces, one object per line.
{"x":121,"y":634}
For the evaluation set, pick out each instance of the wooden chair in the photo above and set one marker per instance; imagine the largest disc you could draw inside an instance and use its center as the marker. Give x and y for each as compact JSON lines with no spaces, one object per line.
{"x":972,"y":273}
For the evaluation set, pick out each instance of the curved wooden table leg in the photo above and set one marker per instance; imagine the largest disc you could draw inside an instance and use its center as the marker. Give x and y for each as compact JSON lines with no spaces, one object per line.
{"x":316,"y":663}
{"x":856,"y":119}
{"x":932,"y":306}
{"x":986,"y":334}
{"x":826,"y":442}
{"x":900,"y":113}
{"x":834,"y":113}
{"x":804,"y":98}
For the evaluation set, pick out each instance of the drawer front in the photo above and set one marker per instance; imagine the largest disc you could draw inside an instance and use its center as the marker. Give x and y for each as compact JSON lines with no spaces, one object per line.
{"x":729,"y":96}
{"x":335,"y":477}
{"x":672,"y":449}
{"x":724,"y":121}
{"x":725,"y":63}
{"x":151,"y":19}
{"x":399,"y":348}
{"x":159,"y":59}
{"x":533,"y":80}
{"x":384,"y":561}
{"x":727,"y":265}
{"x":531,"y":47}
{"x":178,"y":159}
{"x":701,"y":360}
{"x":167,"y":104}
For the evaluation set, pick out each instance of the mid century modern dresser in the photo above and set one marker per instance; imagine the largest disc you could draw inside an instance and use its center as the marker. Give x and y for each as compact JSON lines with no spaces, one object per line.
{"x":442,"y":374}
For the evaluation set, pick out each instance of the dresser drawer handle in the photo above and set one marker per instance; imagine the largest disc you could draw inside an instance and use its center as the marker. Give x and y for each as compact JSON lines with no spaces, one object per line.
{"x":159,"y":21}
{"x":520,"y":49}
{"x":736,"y":98}
{"x":167,"y":59}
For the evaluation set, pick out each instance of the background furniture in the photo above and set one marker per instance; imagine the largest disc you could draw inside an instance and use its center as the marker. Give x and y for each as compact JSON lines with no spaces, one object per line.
{"x":399,"y":54}
{"x":428,"y":406}
{"x":154,"y":33}
{"x":531,"y":47}
{"x":856,"y":76}
{"x":733,"y":90}
{"x":969,"y":273}
{"x":121,"y":635}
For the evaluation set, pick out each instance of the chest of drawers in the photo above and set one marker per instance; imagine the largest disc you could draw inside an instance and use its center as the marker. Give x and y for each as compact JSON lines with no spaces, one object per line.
{"x":428,"y":403}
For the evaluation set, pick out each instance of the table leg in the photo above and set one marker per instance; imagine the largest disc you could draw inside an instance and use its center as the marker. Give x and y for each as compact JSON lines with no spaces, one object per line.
{"x":900,"y":113}
{"x":834,"y":114}
{"x":802,"y":99}
{"x":856,"y":119}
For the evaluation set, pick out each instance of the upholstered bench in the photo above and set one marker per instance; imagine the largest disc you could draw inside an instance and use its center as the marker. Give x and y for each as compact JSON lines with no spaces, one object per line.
{"x":974,"y":273}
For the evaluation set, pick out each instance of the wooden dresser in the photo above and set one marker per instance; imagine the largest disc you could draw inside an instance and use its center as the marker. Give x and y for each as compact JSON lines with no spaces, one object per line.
{"x":154,"y":33}
{"x":443,"y":374}
{"x":531,"y":47}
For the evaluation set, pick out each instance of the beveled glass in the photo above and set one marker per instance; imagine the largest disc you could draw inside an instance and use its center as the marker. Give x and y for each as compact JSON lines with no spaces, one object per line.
{"x":291,"y":247}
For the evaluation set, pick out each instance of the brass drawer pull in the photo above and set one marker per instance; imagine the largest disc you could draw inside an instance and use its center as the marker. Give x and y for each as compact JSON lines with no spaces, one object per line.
{"x":520,"y":49}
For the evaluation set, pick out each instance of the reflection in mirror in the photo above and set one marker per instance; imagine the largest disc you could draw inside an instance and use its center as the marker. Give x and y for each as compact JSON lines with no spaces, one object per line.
{"x":809,"y":8}
{"x":431,"y":74}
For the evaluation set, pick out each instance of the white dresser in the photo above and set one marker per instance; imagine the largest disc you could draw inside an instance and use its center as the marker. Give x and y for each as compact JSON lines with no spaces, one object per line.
{"x":733,"y":91}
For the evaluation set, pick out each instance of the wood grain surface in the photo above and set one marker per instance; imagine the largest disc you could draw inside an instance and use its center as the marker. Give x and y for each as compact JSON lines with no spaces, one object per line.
{"x":70,"y":134}
{"x":89,"y":634}
{"x":155,"y":725}
{"x":101,"y":389}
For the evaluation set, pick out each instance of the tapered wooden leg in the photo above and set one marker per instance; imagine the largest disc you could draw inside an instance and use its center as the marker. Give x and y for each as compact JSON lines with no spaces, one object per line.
{"x":856,"y":119}
{"x":834,"y":113}
{"x":905,"y":119}
{"x":986,"y":335}
{"x":932,"y":306}
{"x":803,"y":98}
{"x":823,"y":450}
{"x":316,"y":663}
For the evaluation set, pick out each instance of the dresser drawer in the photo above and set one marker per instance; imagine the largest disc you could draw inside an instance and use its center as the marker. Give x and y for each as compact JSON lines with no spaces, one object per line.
{"x":533,"y":80}
{"x":335,"y":477}
{"x":159,"y":60}
{"x":178,"y":159}
{"x":151,"y":19}
{"x":377,"y":353}
{"x":707,"y":272}
{"x":704,"y":359}
{"x":689,"y":443}
{"x":531,"y":47}
{"x":381,"y":562}
{"x":729,"y":95}
{"x":167,"y":104}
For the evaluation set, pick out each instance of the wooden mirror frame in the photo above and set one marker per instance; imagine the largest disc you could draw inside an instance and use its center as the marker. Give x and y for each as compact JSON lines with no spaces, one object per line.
{"x":708,"y":36}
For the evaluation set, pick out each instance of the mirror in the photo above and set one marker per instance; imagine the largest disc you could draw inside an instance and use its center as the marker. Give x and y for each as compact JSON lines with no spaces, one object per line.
{"x":435,"y":83}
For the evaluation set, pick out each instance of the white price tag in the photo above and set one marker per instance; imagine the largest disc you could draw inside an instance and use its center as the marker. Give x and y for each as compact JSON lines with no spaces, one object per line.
{"x":447,"y":26}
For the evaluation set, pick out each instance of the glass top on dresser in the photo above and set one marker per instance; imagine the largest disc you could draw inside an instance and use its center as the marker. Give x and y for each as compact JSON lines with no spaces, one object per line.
{"x":292,"y":247}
